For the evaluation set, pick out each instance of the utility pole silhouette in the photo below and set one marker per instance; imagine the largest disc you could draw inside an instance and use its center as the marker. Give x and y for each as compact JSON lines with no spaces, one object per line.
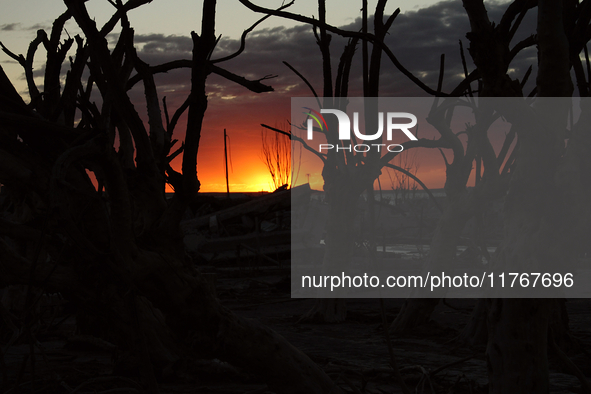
{"x":226,"y":162}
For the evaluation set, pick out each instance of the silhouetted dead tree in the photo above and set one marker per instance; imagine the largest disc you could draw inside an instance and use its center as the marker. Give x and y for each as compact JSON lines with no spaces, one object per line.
{"x":348,"y":174}
{"x":462,"y":203}
{"x":403,"y":186}
{"x":492,"y":52}
{"x":114,"y":248}
{"x":541,"y":228}
{"x":517,"y":345}
{"x":545,"y":209}
{"x":276,"y":154}
{"x":492,"y":55}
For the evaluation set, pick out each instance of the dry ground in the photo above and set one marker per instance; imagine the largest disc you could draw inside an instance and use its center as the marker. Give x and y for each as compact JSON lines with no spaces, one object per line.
{"x":354,"y":353}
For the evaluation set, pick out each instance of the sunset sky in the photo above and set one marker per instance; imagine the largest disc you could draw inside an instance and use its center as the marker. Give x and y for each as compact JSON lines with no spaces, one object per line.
{"x":424,"y":30}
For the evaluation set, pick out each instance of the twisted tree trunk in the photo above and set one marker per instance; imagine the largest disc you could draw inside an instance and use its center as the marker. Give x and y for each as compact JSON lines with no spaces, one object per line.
{"x":442,"y":254}
{"x":518,"y":328}
{"x":112,"y":245}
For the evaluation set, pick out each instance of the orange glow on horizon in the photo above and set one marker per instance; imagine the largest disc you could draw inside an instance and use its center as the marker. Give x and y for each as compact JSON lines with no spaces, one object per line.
{"x":250,"y":177}
{"x":247,"y":171}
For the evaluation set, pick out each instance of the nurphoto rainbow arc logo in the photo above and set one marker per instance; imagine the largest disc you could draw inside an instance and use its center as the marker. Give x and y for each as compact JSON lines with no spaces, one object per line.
{"x":344,"y":132}
{"x":315,"y":115}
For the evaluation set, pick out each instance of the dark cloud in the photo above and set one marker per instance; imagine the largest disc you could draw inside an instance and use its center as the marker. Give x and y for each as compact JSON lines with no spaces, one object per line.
{"x":417,"y":38}
{"x":40,"y":26}
{"x":159,"y":43}
{"x":10,"y":27}
{"x":265,"y":51}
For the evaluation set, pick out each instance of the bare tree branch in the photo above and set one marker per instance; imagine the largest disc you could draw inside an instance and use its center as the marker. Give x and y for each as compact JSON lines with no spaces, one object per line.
{"x":276,"y":154}
{"x":55,"y":58}
{"x":465,"y":67}
{"x":175,"y":117}
{"x":553,"y":74}
{"x":300,"y":140}
{"x":526,"y":76}
{"x":509,"y":138}
{"x":344,"y":33}
{"x":7,"y":90}
{"x":159,"y":137}
{"x":521,"y":45}
{"x":364,"y":50}
{"x":112,"y":87}
{"x":420,"y":143}
{"x":344,"y":70}
{"x":417,"y":180}
{"x":296,"y":72}
{"x":441,"y":73}
{"x":254,"y":86}
{"x":324,"y":44}
{"x":121,"y":11}
{"x":68,"y":99}
{"x":245,"y":33}
{"x":516,"y":9}
{"x":166,"y":117}
{"x":202,"y":48}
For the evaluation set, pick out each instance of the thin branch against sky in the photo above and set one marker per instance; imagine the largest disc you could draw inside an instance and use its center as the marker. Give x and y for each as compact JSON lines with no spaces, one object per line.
{"x":160,"y":39}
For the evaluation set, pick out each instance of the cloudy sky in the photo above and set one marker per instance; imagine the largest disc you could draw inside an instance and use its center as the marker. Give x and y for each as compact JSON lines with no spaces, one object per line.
{"x":421,"y":33}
